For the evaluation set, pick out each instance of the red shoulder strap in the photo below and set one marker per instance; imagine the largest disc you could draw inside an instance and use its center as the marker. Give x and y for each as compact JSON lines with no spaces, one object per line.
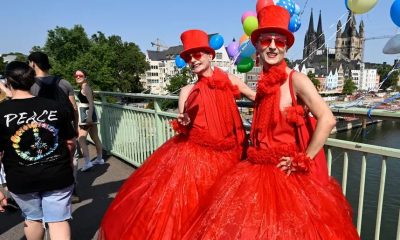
{"x":294,"y":102}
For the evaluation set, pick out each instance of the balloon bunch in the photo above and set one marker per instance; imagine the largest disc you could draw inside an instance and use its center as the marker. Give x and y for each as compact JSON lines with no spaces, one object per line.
{"x":241,"y":52}
{"x":216,"y":42}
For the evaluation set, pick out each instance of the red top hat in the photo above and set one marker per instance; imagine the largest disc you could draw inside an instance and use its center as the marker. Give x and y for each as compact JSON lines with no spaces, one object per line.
{"x":275,"y":19}
{"x":195,"y":40}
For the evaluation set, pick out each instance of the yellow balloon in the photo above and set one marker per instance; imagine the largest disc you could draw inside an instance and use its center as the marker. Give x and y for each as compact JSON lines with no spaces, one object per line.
{"x":361,"y":6}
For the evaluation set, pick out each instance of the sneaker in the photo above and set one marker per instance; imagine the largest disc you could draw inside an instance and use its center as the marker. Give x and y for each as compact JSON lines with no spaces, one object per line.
{"x":87,"y":166}
{"x":75,"y":198}
{"x":98,"y":161}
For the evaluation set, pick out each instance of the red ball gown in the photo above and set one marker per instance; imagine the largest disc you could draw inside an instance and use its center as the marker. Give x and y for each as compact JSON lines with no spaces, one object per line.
{"x":156,"y":201}
{"x":255,"y":200}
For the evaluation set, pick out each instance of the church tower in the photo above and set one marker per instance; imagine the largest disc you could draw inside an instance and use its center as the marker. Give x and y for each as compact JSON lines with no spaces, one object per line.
{"x":314,"y":41}
{"x":350,"y":43}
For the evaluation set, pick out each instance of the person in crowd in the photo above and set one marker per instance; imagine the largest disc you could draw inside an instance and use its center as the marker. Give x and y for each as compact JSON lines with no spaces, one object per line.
{"x":11,"y":204}
{"x":159,"y":197}
{"x":87,"y":121}
{"x":37,"y":142}
{"x":39,"y":61}
{"x":273,"y":194}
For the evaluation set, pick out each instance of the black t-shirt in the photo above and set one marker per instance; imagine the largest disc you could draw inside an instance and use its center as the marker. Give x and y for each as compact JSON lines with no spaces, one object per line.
{"x":33,"y":134}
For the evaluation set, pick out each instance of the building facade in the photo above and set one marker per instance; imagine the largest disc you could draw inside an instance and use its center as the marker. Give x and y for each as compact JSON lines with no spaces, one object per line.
{"x":349,"y":44}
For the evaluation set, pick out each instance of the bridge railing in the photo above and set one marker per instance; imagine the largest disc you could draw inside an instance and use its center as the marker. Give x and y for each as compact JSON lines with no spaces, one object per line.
{"x":132,"y":133}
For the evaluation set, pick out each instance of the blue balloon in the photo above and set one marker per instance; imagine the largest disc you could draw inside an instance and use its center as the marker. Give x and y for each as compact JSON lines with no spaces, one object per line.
{"x":288,"y":5}
{"x":247,"y":49}
{"x":346,"y":3}
{"x":179,"y":62}
{"x":216,"y":41}
{"x":395,"y":12}
{"x":297,"y":9}
{"x":294,"y":23}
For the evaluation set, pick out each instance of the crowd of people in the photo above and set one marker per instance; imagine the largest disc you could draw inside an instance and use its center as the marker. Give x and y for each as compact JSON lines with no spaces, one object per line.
{"x":39,"y":158}
{"x":210,"y":181}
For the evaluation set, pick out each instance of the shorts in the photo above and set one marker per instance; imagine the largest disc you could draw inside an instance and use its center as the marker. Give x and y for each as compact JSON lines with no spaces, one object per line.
{"x":46,"y":206}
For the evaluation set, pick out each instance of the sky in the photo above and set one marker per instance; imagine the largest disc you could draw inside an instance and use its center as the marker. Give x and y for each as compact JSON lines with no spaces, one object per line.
{"x":25,"y":23}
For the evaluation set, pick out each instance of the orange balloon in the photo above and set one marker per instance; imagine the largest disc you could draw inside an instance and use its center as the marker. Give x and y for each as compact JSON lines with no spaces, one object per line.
{"x":243,"y":38}
{"x":263,"y":3}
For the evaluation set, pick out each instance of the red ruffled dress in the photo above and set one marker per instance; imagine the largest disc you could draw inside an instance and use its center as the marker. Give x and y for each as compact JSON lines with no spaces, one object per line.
{"x":158,"y":198}
{"x":256,"y":200}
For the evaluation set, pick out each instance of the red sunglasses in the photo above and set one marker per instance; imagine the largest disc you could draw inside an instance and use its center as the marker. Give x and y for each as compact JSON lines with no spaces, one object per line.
{"x":79,"y":75}
{"x":195,"y":55}
{"x":266,"y":41}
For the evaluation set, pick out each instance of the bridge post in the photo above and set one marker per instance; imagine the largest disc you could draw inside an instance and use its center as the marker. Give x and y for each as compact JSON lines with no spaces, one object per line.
{"x":159,"y":139}
{"x":105,"y":123}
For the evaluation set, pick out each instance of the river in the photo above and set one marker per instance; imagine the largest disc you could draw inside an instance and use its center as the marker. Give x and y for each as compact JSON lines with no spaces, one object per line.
{"x":386,"y":134}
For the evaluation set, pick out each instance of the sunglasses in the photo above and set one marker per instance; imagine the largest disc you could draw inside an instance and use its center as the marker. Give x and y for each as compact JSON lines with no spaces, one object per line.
{"x":266,"y":41}
{"x":195,"y":55}
{"x":79,"y":75}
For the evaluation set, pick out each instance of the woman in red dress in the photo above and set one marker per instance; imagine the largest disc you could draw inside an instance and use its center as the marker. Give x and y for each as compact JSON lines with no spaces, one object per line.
{"x":156,"y":201}
{"x":274,"y":194}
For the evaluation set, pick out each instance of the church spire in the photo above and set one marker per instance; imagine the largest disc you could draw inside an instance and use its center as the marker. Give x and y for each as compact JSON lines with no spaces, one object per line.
{"x":311,"y":24}
{"x":319,"y":27}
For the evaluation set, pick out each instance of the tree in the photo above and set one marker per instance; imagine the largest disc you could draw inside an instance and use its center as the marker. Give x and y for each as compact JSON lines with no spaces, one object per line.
{"x":111,"y":64}
{"x":2,"y":65}
{"x":314,"y":80}
{"x":176,"y":82}
{"x":392,"y":80}
{"x":179,"y":80}
{"x":349,"y":86}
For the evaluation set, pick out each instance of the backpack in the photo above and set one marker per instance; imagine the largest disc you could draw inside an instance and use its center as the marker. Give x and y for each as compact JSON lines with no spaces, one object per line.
{"x":53,"y":91}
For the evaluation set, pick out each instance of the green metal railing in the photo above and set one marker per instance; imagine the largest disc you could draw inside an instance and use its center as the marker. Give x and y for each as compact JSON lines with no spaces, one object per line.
{"x":132,"y":133}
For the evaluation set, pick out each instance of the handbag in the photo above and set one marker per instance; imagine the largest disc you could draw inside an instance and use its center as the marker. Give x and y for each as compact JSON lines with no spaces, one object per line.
{"x":304,"y":133}
{"x":83,"y":109}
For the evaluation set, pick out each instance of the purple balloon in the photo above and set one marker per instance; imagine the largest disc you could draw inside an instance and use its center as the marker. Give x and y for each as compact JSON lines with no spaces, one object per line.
{"x":232,"y":49}
{"x":248,"y":14}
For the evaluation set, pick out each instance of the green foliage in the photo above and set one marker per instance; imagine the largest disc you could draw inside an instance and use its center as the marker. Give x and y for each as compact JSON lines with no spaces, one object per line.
{"x":383,"y":71}
{"x":179,"y":80}
{"x":176,"y":82}
{"x":314,"y":80}
{"x":349,"y":87}
{"x":2,"y":66}
{"x":111,"y":63}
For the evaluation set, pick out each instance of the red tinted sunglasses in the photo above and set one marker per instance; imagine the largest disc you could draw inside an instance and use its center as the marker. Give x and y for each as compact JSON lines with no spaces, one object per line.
{"x":79,"y":75}
{"x":195,"y":55}
{"x":279,"y":42}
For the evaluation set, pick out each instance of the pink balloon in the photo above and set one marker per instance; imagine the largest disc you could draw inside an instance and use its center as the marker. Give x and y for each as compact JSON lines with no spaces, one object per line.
{"x":248,"y":14}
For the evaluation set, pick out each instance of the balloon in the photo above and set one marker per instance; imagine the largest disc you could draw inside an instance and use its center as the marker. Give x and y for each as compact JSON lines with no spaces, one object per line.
{"x":238,"y":60}
{"x":263,"y":3}
{"x":245,"y":65}
{"x":294,"y":23}
{"x":248,"y":14}
{"x":393,"y":45}
{"x":233,"y":49}
{"x":361,"y":6}
{"x":297,"y":9}
{"x":243,"y":38}
{"x":179,"y":62}
{"x":250,"y":24}
{"x":395,"y":12}
{"x":247,"y":49}
{"x":346,"y":3}
{"x":216,"y":41}
{"x":288,"y":5}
